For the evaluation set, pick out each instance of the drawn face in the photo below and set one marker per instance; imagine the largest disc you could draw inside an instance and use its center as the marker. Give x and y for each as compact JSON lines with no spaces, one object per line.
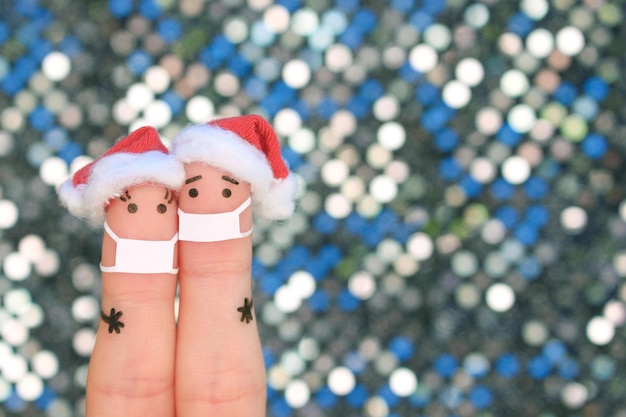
{"x":144,"y":212}
{"x":209,"y":190}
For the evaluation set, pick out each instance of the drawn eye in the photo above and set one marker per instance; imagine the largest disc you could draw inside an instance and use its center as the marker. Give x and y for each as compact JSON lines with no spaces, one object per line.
{"x":161,"y":208}
{"x":226,"y":192}
{"x":193,"y":193}
{"x":132,"y":208}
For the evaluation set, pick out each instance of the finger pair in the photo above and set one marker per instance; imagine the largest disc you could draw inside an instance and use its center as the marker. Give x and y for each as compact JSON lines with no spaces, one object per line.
{"x":147,"y":198}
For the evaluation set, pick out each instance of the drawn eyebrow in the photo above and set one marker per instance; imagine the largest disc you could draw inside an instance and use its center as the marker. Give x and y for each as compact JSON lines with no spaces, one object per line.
{"x":167,"y":192}
{"x":192,"y":179}
{"x":229,"y":179}
{"x":127,"y":196}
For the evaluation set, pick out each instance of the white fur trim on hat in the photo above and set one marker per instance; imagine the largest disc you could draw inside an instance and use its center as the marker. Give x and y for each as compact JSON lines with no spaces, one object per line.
{"x":112,"y":174}
{"x":224,"y":149}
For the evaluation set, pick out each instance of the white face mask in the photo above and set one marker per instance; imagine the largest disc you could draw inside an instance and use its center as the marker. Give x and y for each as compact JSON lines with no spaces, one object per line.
{"x":142,"y":256}
{"x":214,"y":227}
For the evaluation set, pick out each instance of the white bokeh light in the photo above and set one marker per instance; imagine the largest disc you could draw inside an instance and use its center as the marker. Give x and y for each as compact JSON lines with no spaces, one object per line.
{"x":8,"y":214}
{"x":297,"y":393}
{"x":570,"y":41}
{"x":296,"y":73}
{"x":391,"y":136}
{"x":383,"y":188}
{"x":403,"y":382}
{"x":56,"y":66}
{"x":423,"y":58}
{"x":574,"y":219}
{"x":500,"y":297}
{"x":514,"y":83}
{"x":456,"y":94}
{"x":600,"y":331}
{"x":470,"y":71}
{"x":341,"y":380}
{"x":200,"y":109}
{"x":515,"y":170}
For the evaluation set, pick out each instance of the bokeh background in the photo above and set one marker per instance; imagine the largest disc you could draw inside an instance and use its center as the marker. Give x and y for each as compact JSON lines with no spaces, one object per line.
{"x":459,"y":247}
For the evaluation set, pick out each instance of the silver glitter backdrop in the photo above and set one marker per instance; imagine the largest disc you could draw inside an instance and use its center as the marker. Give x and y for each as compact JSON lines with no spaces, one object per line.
{"x":459,"y":246}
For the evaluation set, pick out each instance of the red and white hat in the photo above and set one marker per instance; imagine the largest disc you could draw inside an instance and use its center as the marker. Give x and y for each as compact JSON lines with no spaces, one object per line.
{"x":139,"y":158}
{"x":247,"y":147}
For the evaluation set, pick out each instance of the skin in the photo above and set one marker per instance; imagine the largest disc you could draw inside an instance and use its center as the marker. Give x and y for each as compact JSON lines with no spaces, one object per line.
{"x":132,"y":373}
{"x":219,"y":361}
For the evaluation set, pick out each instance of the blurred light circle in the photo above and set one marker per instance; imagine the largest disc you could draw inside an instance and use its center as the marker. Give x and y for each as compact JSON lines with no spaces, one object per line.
{"x":302,"y":284}
{"x":493,"y":231}
{"x":304,"y":21}
{"x":362,"y":285}
{"x":420,"y":246}
{"x":17,"y":300}
{"x":296,"y":73}
{"x":302,"y":141}
{"x":200,"y":109}
{"x":85,"y":308}
{"x":510,"y":44}
{"x":53,"y":171}
{"x":535,"y":9}
{"x":157,"y":78}
{"x":483,"y":170}
{"x":500,"y":297}
{"x":383,"y":188}
{"x":158,"y":114}
{"x":488,"y":121}
{"x":297,"y":393}
{"x":8,"y":214}
{"x":476,"y":15}
{"x":522,"y":118}
{"x":277,"y":18}
{"x":83,"y":341}
{"x":438,"y":36}
{"x":286,"y":300}
{"x":13,"y":332}
{"x":514,"y":83}
{"x":334,"y":172}
{"x":139,"y":96}
{"x":45,"y":363}
{"x":403,"y":382}
{"x":287,"y":121}
{"x":574,"y":395}
{"x":29,"y":387}
{"x":535,"y":333}
{"x":423,"y":58}
{"x":391,"y":136}
{"x":338,"y":57}
{"x":226,"y":84}
{"x":464,"y":263}
{"x":123,"y":112}
{"x":600,"y":331}
{"x":341,"y":380}
{"x":16,"y":267}
{"x":456,"y":94}
{"x":540,"y":43}
{"x":470,"y":71}
{"x":338,"y":205}
{"x":236,"y":30}
{"x":56,"y":66}
{"x":574,"y":219}
{"x":14,"y":368}
{"x":516,"y":170}
{"x":386,"y":108}
{"x":570,"y":41}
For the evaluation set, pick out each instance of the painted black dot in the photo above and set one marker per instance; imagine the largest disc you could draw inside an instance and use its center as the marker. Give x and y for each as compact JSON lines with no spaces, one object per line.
{"x":193,"y":193}
{"x":161,"y":208}
{"x":132,"y":208}
{"x":226,"y":192}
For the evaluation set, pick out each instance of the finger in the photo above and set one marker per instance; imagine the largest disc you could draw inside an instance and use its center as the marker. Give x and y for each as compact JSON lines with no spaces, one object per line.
{"x":131,"y":371}
{"x":219,"y":362}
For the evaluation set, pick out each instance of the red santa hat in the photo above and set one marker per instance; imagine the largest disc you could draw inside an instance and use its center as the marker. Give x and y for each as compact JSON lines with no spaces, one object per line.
{"x":247,"y":148}
{"x":139,"y":158}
